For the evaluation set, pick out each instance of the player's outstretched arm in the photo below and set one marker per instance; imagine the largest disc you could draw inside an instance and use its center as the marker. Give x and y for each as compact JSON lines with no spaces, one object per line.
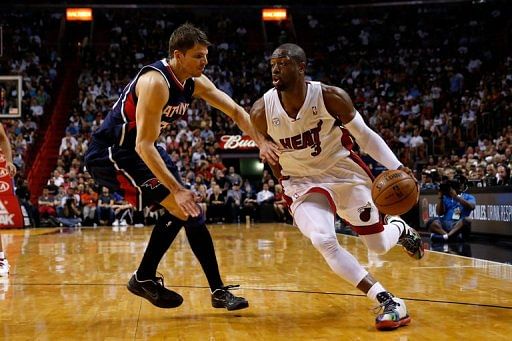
{"x":259,"y":122}
{"x":206,"y":90}
{"x":339,"y":104}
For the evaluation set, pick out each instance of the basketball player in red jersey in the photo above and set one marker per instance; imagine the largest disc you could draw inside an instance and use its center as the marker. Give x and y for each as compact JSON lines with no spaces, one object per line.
{"x":122,"y":155}
{"x":314,"y":124}
{"x":5,"y":147}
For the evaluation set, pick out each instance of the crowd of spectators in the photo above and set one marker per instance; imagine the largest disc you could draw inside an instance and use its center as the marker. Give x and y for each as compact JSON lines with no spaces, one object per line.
{"x":27,"y":51}
{"x":430,"y":80}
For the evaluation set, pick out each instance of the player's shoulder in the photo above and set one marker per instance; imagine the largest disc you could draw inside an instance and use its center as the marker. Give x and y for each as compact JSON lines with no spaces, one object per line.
{"x":336,"y":99}
{"x":258,"y":107}
{"x":331,"y":90}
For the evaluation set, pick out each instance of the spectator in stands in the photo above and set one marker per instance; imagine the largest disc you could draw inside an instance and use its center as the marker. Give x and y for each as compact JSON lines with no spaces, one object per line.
{"x":105,"y":211}
{"x":280,"y":205}
{"x":46,"y":204}
{"x":503,"y":176}
{"x":52,"y":188}
{"x":202,"y":197}
{"x":427,"y":179}
{"x":68,"y":142}
{"x":89,"y":201}
{"x":235,"y":202}
{"x":265,"y":196}
{"x":123,"y":210}
{"x":250,"y":209}
{"x":217,"y":205}
{"x":453,"y":209}
{"x":233,"y":177}
{"x":70,"y":212}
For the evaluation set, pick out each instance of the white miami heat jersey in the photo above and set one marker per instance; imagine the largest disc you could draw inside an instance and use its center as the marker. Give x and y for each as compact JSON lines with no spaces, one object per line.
{"x":312,"y":141}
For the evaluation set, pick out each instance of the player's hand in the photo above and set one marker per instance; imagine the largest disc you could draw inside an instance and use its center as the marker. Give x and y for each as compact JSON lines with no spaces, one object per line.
{"x":269,"y":152}
{"x":186,"y":201}
{"x":408,"y":171}
{"x":11,"y":168}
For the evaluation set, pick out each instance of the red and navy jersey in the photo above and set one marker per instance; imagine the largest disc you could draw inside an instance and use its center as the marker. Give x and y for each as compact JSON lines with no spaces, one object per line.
{"x":120,"y":128}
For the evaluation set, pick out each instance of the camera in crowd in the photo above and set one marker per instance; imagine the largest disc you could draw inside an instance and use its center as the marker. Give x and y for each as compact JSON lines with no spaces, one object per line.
{"x":458,"y":183}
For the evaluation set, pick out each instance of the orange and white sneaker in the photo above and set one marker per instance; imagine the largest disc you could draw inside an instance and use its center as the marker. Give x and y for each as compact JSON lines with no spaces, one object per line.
{"x":4,"y":267}
{"x":394,"y":312}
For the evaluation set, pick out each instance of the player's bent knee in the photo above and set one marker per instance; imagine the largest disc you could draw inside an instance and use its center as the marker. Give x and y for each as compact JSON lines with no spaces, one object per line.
{"x":325,"y":243}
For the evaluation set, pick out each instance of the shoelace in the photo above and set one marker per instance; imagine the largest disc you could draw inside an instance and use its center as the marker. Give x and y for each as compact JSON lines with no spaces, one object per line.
{"x":226,"y":289}
{"x":231,"y":287}
{"x":159,"y":279}
{"x":387,"y":307}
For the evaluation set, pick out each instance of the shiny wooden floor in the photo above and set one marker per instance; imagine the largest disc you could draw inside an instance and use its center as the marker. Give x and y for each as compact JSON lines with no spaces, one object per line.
{"x":70,"y":285}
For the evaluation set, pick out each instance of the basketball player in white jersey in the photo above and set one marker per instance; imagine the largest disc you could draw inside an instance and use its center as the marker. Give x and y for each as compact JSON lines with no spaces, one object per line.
{"x":314,"y":124}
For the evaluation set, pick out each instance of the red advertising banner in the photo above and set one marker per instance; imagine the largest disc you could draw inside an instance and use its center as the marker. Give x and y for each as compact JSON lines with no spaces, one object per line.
{"x":10,"y":210}
{"x":237,"y":142}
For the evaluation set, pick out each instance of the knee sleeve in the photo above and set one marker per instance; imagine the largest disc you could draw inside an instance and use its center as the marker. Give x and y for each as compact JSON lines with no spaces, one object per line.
{"x":327,"y":244}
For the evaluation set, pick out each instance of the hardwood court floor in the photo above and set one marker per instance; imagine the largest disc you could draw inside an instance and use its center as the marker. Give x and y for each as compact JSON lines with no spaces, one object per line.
{"x":71,"y":286}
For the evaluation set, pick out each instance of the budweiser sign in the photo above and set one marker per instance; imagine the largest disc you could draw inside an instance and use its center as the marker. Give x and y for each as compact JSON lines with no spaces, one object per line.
{"x":231,"y":142}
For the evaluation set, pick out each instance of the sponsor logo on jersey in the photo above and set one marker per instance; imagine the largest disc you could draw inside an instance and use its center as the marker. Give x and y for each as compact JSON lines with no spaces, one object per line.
{"x":171,"y":110}
{"x":3,"y":172}
{"x":315,"y":110}
{"x":275,"y":121}
{"x":307,"y":139}
{"x":365,"y":212}
{"x":151,"y":183}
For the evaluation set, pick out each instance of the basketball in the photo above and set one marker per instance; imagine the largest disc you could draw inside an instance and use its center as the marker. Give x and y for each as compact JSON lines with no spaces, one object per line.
{"x":394,"y":192}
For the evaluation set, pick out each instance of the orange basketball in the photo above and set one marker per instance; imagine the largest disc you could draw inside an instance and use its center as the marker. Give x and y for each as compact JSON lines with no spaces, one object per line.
{"x":394,"y":192}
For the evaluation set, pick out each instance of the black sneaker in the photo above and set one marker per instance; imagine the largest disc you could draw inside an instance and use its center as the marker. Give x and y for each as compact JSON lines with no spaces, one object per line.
{"x":154,"y":291}
{"x":222,"y":298}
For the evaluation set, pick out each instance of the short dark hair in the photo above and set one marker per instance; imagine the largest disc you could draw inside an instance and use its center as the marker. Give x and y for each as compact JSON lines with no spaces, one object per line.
{"x":294,"y":51}
{"x":185,"y":37}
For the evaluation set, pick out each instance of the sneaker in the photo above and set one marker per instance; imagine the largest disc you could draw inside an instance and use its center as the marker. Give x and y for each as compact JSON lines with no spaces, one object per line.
{"x":155,"y":292}
{"x":4,"y":268}
{"x":115,"y":223}
{"x":123,"y":222}
{"x":138,"y":225}
{"x":410,"y":238}
{"x":394,"y":312}
{"x":222,"y":298}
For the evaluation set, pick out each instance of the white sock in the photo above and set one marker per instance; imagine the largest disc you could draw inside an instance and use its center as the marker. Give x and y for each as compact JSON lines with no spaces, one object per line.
{"x":445,"y":236}
{"x":377,"y":288}
{"x":2,"y":255}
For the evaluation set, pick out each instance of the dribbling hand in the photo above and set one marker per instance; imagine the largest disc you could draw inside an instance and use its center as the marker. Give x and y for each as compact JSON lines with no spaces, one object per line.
{"x":269,"y":152}
{"x":408,"y":171}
